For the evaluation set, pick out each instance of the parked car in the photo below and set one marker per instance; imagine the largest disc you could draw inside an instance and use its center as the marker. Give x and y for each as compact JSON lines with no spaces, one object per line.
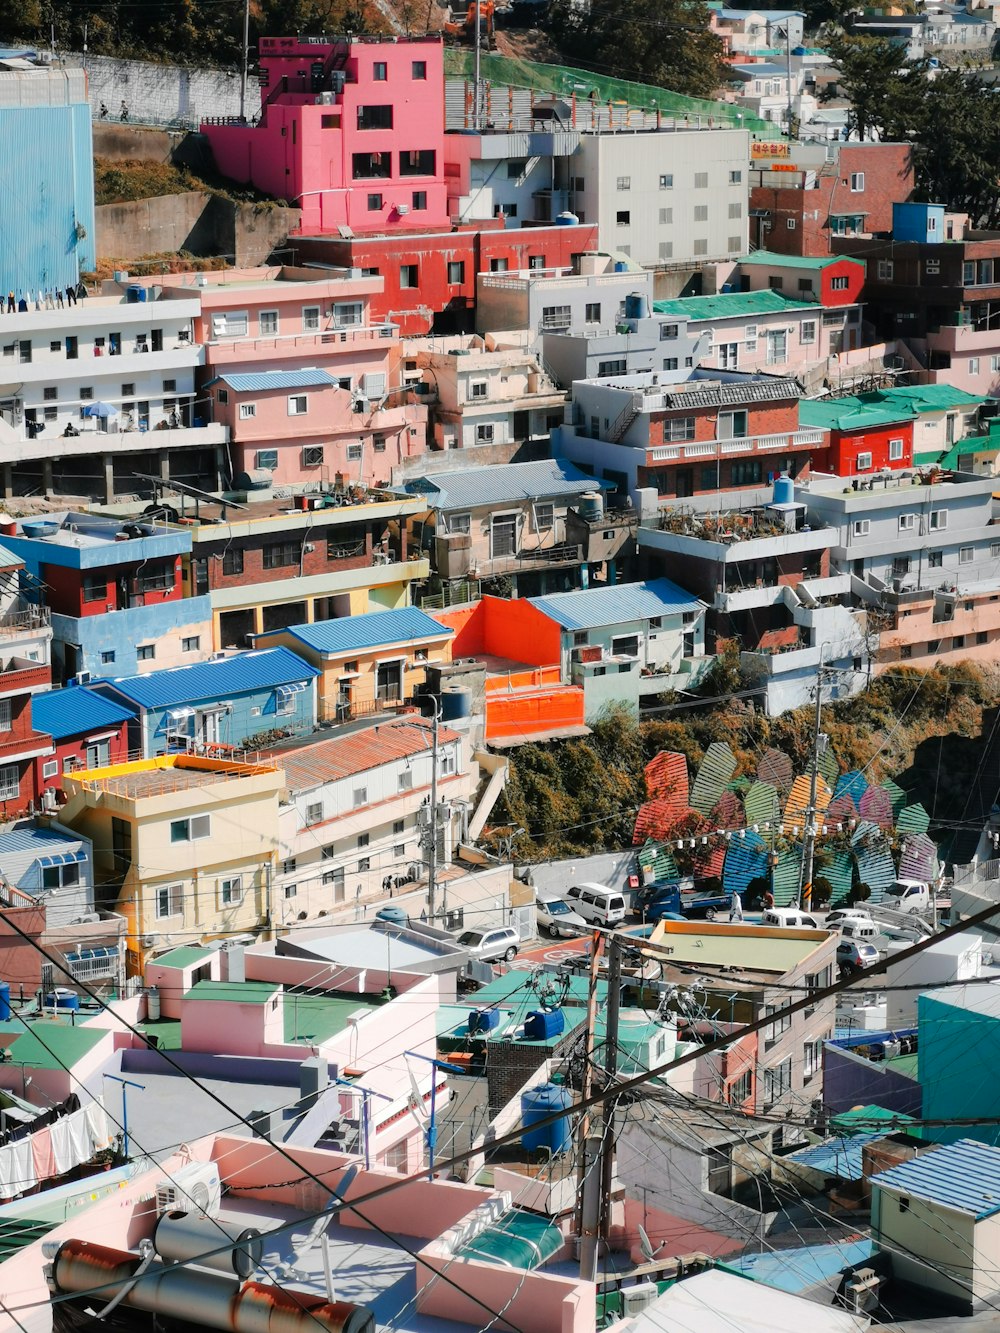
{"x":856,"y":955}
{"x":489,"y":946}
{"x":685,"y":898}
{"x":860,"y":930}
{"x":597,"y":903}
{"x":556,"y":918}
{"x":836,"y":919}
{"x":789,"y":918}
{"x":908,"y":895}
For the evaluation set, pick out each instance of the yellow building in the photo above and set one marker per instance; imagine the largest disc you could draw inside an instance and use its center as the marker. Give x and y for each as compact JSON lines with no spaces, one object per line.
{"x":184,"y":847}
{"x":367,"y":663}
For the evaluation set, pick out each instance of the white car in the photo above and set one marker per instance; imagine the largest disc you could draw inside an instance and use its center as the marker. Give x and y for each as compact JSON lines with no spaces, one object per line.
{"x":489,"y":946}
{"x":841,"y":915}
{"x":556,"y":918}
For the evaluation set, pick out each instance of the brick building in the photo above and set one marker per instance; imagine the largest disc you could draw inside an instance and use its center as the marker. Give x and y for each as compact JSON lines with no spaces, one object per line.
{"x":20,"y":743}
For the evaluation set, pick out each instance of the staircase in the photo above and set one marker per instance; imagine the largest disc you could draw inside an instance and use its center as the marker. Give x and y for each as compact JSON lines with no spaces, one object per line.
{"x":620,"y":427}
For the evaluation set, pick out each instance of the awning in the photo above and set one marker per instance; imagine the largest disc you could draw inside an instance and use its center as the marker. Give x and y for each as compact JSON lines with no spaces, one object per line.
{"x":285,"y":690}
{"x":61,"y":859}
{"x":178,"y":714}
{"x":89,"y":955}
{"x":104,"y":736}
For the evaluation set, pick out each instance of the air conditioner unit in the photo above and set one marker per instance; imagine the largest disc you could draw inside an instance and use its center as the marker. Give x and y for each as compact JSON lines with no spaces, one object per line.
{"x":148,"y":941}
{"x":325,"y":99}
{"x":638,"y":1298}
{"x":193,"y":1188}
{"x":402,"y":209}
{"x":861,"y":1290}
{"x":83,"y":677}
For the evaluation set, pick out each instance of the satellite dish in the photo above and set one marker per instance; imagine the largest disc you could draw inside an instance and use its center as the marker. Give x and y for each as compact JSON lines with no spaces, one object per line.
{"x":648,"y":1253}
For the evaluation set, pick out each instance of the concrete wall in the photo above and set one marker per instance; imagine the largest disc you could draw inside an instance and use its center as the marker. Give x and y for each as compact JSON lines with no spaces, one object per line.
{"x":160,"y":94}
{"x":200,"y":223}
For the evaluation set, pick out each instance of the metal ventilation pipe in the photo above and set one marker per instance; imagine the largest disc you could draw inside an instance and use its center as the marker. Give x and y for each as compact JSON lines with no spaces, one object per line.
{"x":181,"y":1237}
{"x":200,"y":1297}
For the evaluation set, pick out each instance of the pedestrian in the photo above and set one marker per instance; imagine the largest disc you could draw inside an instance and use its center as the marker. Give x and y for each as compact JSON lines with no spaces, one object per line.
{"x":38,"y":299}
{"x":10,"y":303}
{"x":124,"y":110}
{"x":60,"y":300}
{"x":49,"y":302}
{"x":70,"y":296}
{"x":736,"y":907}
{"x":103,"y":112}
{"x":22,"y":305}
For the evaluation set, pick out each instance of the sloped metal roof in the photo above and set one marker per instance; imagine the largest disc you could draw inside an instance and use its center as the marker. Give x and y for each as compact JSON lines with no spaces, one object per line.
{"x":260,"y":669}
{"x":590,"y":608}
{"x":545,"y":479}
{"x":73,"y":711}
{"x":964,"y":1176}
{"x":374,"y":630}
{"x":261,"y":381}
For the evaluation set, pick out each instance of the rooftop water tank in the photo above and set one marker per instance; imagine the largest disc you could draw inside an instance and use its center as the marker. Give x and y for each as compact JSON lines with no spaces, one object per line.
{"x":592,"y":506}
{"x":4,"y":1001}
{"x":784,"y":490}
{"x":484,"y":1020}
{"x":537,"y":1104}
{"x":63,"y":998}
{"x":541,"y":1024}
{"x":254,"y":479}
{"x":567,"y":220}
{"x":636,"y":306}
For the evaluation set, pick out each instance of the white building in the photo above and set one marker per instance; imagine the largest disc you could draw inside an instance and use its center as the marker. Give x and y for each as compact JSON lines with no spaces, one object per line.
{"x":589,"y":298}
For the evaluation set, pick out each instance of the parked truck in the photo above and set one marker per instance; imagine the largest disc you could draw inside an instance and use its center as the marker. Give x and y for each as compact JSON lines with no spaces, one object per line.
{"x":681,"y":898}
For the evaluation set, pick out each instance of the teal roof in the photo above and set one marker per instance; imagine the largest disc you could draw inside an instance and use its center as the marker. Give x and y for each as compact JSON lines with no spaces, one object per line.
{"x":730,"y":305}
{"x":235,"y":992}
{"x":852,"y":412}
{"x":54,"y":1045}
{"x":773,"y":260}
{"x":183,"y":957}
{"x":934,"y":397}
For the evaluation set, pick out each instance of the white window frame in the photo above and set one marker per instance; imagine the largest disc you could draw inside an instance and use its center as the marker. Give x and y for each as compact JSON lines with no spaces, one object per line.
{"x":862,"y":527}
{"x":857,"y":182}
{"x":314,"y":813}
{"x":294,"y":401}
{"x":479,"y":389}
{"x":966,"y":555}
{"x":230,"y":324}
{"x":359,"y":797}
{"x":460,"y":523}
{"x":863,"y":463}
{"x":198,"y":827}
{"x":231,"y":891}
{"x":50,"y":769}
{"x":895,"y":451}
{"x":973,"y":365}
{"x":247,"y":410}
{"x":10,"y":784}
{"x":907,"y":522}
{"x":6,"y":715}
{"x":269,"y":316}
{"x":807,"y":334}
{"x":312,"y":318}
{"x":174,"y":901}
{"x":938,"y":520}
{"x":886,"y":268}
{"x":545,"y":516}
{"x":404,"y":781}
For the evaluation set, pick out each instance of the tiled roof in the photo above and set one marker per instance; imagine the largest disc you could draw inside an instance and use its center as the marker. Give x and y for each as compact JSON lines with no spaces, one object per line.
{"x":342,"y":756}
{"x":262,"y":669}
{"x":259,"y":382}
{"x":502,"y":484}
{"x":375,"y":630}
{"x":730,"y":305}
{"x":733,"y":391}
{"x":74,"y":710}
{"x":592,"y":607}
{"x":964,"y":1176}
{"x":770,"y":259}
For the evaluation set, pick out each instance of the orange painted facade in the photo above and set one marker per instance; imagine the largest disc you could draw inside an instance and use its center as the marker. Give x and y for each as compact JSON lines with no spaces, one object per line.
{"x":529,"y":713}
{"x":500,"y":628}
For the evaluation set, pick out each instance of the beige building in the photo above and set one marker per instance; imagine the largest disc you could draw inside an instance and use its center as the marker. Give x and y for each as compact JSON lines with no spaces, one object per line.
{"x":184,"y":847}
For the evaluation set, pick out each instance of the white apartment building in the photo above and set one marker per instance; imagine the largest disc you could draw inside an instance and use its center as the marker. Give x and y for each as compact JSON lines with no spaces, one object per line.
{"x":94,"y":392}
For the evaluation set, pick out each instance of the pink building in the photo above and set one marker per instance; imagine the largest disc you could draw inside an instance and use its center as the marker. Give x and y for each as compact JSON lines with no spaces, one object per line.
{"x":351,"y":130}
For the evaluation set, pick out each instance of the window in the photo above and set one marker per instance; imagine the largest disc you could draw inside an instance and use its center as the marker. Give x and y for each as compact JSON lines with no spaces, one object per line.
{"x":418,"y":162}
{"x":484,"y":433}
{"x":624,"y":182}
{"x":735,"y":177}
{"x":733,"y":425}
{"x":298,"y":405}
{"x":982,"y":636}
{"x":232,"y":561}
{"x":128,"y":390}
{"x":812,"y":1059}
{"x":592,"y":312}
{"x":191,"y":829}
{"x":359,"y":797}
{"x":745,"y":472}
{"x":364,"y":864}
{"x":267,"y":322}
{"x":666,"y":217}
{"x":862,"y":527}
{"x":907,"y":522}
{"x":701,"y":212}
{"x":95,"y":587}
{"x":223,"y":396}
{"x":857,"y":182}
{"x":863,"y":463}
{"x":230,"y":324}
{"x":900,"y":566}
{"x":231,"y":891}
{"x":460,"y":523}
{"x":838,"y":284}
{"x":408,"y":275}
{"x":374,"y":118}
{"x":544,"y":517}
{"x":617,"y":367}
{"x":939,"y":519}
{"x":895,"y":450}
{"x":191,"y":644}
{"x":775,"y":283}
{"x":371,"y":166}
{"x":932,"y":266}
{"x":701,"y":180}
{"x":145,"y":652}
{"x":168,"y":900}
{"x":667,"y":182}
{"x":418,"y":69}
{"x":735,"y":210}
{"x":291,"y":891}
{"x":405,"y":782}
{"x":448,"y":763}
{"x":777,"y":1082}
{"x":314,"y":813}
{"x":700,"y":247}
{"x":885,"y":270}
{"x":278,"y":555}
{"x":740,"y":1090}
{"x":456,"y":272}
{"x":623,"y":218}
{"x":50,"y":769}
{"x":477,"y":389}
{"x":807,"y":333}
{"x":670,"y":363}
{"x":72,"y":348}
{"x":374,"y":203}
{"x":380,"y":71}
{"x":355,"y":453}
{"x":678,"y":428}
{"x":966,"y":555}
{"x":247,"y":410}
{"x":782,"y":1022}
{"x":284,"y":703}
{"x":500,"y":265}
{"x":973,"y":365}
{"x":556,"y":316}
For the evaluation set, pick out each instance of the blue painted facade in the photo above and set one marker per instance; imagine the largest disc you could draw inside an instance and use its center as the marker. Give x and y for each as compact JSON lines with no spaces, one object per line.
{"x":121,"y":632}
{"x":918,"y":222}
{"x":957,"y":1058}
{"x":46,"y":195}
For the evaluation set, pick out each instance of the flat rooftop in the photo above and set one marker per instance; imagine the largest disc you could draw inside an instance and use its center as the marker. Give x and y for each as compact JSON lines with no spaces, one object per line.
{"x":376,"y":949}
{"x":139,"y":783}
{"x":747,"y":949}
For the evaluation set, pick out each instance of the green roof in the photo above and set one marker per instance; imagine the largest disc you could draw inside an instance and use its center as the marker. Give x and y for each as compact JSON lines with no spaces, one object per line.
{"x":852,"y":412}
{"x":167,"y":1032}
{"x":730,"y":305}
{"x":234,"y":992}
{"x":774,"y":260}
{"x":933,"y":397}
{"x":20,"y":1232}
{"x":49,"y":1044}
{"x":862,"y":1119}
{"x":312,"y":1019}
{"x":515,"y":989}
{"x":184,"y":957}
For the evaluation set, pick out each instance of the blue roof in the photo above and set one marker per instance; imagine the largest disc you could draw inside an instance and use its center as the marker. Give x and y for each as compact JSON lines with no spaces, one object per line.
{"x":374,"y":630}
{"x":242,"y":673}
{"x":592,"y":607}
{"x":470,"y":487}
{"x":29,"y":837}
{"x":74,"y":710}
{"x":839,"y":1157}
{"x":249,"y":382}
{"x":964,"y":1176}
{"x":801,"y":1267}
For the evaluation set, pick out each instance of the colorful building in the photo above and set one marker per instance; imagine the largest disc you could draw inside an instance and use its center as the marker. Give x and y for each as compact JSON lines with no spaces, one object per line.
{"x":21,"y":746}
{"x":185,"y":847}
{"x":89,"y":731}
{"x":227,"y":703}
{"x":834,"y":281}
{"x":364,"y":664}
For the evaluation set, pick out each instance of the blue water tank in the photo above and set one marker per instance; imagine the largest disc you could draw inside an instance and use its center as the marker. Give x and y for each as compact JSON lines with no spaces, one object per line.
{"x":541,"y":1024}
{"x":784,"y":490}
{"x":567,"y":219}
{"x":455,"y":704}
{"x":63,"y":998}
{"x":536,"y":1104}
{"x":636,"y":306}
{"x":4,"y":1001}
{"x":484,"y":1020}
{"x":621,"y":266}
{"x":135,"y":295}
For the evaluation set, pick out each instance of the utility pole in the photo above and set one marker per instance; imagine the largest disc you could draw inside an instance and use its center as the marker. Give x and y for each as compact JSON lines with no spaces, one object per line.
{"x":246,"y":60}
{"x":819,"y":749}
{"x":589,"y":1189}
{"x":478,"y":76}
{"x":788,"y":73}
{"x":433,"y":823}
{"x":611,"y":1073}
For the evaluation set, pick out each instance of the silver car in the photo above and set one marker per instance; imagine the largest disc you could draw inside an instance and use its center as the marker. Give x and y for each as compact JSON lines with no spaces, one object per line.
{"x":489,"y":946}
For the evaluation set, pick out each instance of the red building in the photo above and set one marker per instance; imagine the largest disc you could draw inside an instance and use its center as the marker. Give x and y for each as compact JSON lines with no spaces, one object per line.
{"x":20,"y":744}
{"x":865,"y":433}
{"x":351,"y":130}
{"x":88,"y":731}
{"x":797,"y":209}
{"x":834,"y":281}
{"x":430,"y":277}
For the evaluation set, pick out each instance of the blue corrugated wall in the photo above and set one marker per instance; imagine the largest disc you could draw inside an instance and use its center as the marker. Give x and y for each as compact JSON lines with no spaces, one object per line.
{"x":46,"y":189}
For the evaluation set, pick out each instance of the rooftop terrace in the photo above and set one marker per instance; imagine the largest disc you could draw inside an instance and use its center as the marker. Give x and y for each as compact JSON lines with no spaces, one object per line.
{"x":145,"y":778}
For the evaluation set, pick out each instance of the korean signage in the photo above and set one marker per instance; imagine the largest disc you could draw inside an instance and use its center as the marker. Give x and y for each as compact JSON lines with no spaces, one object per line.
{"x":769,"y":149}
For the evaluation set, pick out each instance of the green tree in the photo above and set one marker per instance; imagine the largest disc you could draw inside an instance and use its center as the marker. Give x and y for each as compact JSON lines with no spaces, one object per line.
{"x":960,"y":168}
{"x":886,"y":91}
{"x":662,"y":42}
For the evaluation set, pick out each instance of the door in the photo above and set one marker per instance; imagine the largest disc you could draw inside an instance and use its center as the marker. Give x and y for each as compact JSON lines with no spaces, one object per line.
{"x":389,"y":688}
{"x":684,"y":480}
{"x":777,"y":347}
{"x":503,"y":536}
{"x":208,"y":728}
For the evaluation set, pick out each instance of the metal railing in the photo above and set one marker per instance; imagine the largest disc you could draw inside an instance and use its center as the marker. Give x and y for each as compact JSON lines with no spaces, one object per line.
{"x":24,"y":615}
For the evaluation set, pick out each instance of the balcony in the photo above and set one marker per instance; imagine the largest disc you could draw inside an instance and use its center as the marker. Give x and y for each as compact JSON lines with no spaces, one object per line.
{"x":114,"y":442}
{"x":18,"y":675}
{"x":781,"y":662}
{"x":22,"y":617}
{"x":323,"y":343}
{"x":749,"y":444}
{"x":50,"y":367}
{"x":27,"y":746}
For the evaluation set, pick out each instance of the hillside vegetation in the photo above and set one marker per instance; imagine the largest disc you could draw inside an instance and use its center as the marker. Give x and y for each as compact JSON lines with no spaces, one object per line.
{"x":922,"y":728}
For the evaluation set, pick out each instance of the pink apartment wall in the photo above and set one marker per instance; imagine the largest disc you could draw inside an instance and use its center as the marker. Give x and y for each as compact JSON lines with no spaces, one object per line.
{"x":340,"y":977}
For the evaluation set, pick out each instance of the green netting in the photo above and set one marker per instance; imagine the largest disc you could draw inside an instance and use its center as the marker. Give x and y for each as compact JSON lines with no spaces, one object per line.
{"x":564,"y":81}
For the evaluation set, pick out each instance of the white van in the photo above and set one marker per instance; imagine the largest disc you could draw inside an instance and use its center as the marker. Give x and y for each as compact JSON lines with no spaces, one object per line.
{"x":859,"y":930}
{"x":597,"y":903}
{"x":789,"y":917}
{"x":908,"y":895}
{"x":836,"y":919}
